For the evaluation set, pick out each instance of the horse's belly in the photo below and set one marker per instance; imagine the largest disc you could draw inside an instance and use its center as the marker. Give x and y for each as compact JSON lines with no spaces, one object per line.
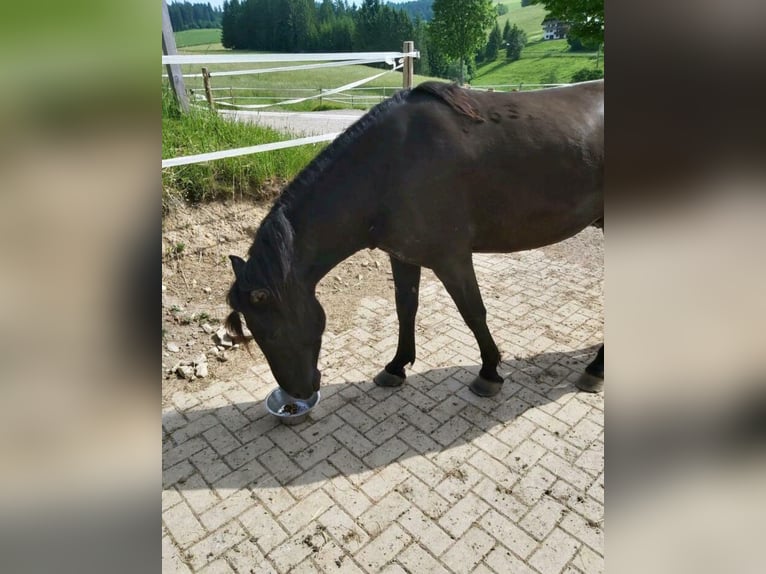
{"x":504,"y":231}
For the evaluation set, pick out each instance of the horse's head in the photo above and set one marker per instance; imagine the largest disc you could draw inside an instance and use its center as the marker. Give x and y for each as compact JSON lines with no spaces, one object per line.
{"x":286,"y":321}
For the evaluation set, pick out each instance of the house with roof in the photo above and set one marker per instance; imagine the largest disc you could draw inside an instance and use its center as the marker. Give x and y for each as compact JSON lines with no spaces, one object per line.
{"x":554,"y":29}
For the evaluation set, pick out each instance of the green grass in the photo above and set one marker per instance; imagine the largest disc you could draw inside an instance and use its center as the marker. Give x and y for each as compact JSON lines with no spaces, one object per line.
{"x":541,"y":62}
{"x":528,"y":18}
{"x":201,"y":131}
{"x":198,"y":37}
{"x":277,"y":86}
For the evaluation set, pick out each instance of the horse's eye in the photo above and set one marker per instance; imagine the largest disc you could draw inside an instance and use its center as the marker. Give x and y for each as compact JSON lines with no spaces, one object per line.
{"x":259,"y":296}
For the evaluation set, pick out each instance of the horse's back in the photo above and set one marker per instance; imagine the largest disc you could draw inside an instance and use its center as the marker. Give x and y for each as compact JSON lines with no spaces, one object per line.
{"x":502,"y":171}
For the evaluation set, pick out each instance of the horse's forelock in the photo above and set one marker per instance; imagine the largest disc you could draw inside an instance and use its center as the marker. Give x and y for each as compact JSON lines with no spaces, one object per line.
{"x":271,"y":255}
{"x":233,"y":326}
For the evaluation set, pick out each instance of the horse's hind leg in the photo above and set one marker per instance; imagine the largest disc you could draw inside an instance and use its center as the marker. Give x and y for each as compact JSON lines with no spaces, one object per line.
{"x":460,"y":281}
{"x":406,"y":284}
{"x":592,"y":380}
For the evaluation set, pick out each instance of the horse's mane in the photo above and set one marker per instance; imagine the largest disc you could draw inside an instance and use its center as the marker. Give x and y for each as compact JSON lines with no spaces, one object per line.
{"x":275,"y":235}
{"x":454,"y":96}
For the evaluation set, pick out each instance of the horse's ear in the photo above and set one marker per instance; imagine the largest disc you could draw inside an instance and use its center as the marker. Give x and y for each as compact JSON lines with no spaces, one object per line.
{"x":238,"y":264}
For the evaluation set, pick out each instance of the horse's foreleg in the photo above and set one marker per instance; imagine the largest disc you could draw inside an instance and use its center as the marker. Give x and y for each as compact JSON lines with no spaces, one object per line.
{"x":592,"y":380}
{"x":460,"y":281}
{"x":406,"y":284}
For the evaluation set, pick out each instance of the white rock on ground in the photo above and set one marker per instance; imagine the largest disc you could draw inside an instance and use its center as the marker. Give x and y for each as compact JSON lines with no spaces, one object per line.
{"x":185,"y":372}
{"x":201,"y":370}
{"x":172,"y":347}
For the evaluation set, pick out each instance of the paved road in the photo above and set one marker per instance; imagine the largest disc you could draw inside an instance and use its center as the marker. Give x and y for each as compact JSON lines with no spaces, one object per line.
{"x":300,"y":123}
{"x":423,"y":478}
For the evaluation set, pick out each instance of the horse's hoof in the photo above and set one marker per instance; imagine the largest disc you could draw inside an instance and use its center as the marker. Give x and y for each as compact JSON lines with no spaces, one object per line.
{"x":590,"y":383}
{"x":386,"y":379}
{"x":484,"y":388}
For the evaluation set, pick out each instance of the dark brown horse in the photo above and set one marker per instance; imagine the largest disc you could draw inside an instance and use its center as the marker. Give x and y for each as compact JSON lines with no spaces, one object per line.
{"x":429,"y":176}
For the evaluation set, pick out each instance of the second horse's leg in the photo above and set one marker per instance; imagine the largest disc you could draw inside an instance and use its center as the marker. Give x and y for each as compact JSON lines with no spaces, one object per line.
{"x":406,"y":284}
{"x":460,"y":281}
{"x":592,"y":380}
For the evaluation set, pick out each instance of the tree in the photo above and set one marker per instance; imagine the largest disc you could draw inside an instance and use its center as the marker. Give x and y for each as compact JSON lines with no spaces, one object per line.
{"x":515,"y":43}
{"x":493,"y":44}
{"x":506,"y":31}
{"x":587,"y":74}
{"x":459,"y":27}
{"x":585,"y":17}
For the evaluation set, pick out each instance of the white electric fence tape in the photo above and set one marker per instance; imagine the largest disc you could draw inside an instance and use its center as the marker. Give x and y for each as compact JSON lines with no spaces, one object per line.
{"x":199,"y":158}
{"x":323,"y":94}
{"x":337,"y":59}
{"x":244,"y":58}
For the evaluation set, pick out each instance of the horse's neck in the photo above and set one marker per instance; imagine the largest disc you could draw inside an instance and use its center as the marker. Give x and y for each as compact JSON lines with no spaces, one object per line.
{"x":328,"y":230}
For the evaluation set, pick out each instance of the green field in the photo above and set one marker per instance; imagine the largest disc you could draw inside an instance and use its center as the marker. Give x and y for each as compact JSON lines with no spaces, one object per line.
{"x":197,"y":37}
{"x":528,"y":18}
{"x":542,"y":62}
{"x":277,"y":86}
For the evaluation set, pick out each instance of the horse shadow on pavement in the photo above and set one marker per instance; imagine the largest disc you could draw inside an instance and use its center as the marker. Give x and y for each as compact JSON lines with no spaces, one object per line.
{"x":429,"y":425}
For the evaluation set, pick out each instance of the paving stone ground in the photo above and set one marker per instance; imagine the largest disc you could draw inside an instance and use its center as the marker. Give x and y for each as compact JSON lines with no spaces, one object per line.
{"x":423,"y":478}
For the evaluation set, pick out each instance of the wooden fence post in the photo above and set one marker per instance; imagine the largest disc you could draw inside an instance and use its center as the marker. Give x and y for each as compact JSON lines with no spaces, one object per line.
{"x":407,"y":65}
{"x":175,"y":77}
{"x":208,"y":91}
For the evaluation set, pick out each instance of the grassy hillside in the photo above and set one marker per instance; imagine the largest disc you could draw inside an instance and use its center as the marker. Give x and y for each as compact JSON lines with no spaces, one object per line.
{"x":528,"y":18}
{"x":542,"y":62}
{"x":197,"y":37}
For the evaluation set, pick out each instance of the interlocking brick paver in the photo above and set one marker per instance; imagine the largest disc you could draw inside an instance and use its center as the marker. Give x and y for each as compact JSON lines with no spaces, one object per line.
{"x":543,"y":516}
{"x":227,"y":509}
{"x":417,"y":559}
{"x":384,"y":481}
{"x":459,"y":518}
{"x":499,"y":495}
{"x":305,"y":511}
{"x":469,"y":550}
{"x":222,"y":441}
{"x":294,"y":550}
{"x":352,"y":500}
{"x":344,"y":529}
{"x":557,"y":549}
{"x":422,"y":478}
{"x":422,"y":528}
{"x":384,"y":512}
{"x":263,"y":529}
{"x":220,"y":566}
{"x":383,"y":548}
{"x":182,"y":524}
{"x":172,"y":560}
{"x":502,"y":560}
{"x":177,"y":474}
{"x":197,"y":494}
{"x":215,"y":544}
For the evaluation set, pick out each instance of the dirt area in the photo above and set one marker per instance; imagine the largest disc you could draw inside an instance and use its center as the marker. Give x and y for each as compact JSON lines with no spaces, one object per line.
{"x":196,"y":275}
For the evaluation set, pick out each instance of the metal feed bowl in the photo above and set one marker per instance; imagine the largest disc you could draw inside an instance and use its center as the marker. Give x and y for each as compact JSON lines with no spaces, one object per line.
{"x":277,"y":404}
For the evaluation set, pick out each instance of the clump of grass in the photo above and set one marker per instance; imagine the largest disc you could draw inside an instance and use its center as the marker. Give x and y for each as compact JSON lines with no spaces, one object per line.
{"x":203,"y":131}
